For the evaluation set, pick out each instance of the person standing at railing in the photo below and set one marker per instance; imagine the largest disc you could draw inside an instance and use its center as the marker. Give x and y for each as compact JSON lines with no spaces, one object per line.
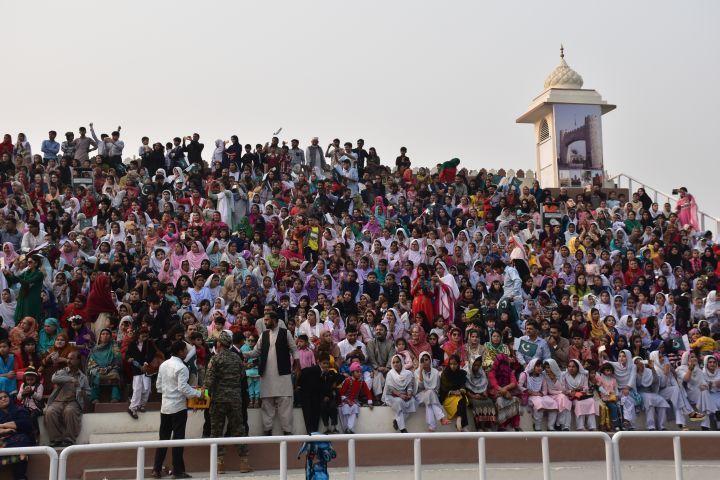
{"x":223,"y":382}
{"x":687,"y":209}
{"x":172,"y":384}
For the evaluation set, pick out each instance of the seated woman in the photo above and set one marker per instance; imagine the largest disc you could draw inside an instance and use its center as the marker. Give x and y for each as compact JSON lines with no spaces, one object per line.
{"x":15,"y":432}
{"x":398,"y":393}
{"x":556,"y":389}
{"x":476,"y":387}
{"x":696,"y":386}
{"x":48,"y":333}
{"x":712,"y":380}
{"x":575,"y":382}
{"x":104,"y":365}
{"x":453,"y":393}
{"x":7,"y":369}
{"x":534,"y":384}
{"x":56,"y":358}
{"x":503,"y":389}
{"x":428,"y":387}
{"x":27,"y":328}
{"x":671,"y":389}
{"x":648,"y":386}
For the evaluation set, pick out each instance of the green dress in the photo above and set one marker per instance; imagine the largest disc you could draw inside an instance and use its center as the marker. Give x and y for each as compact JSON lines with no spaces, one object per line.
{"x":29,"y":303}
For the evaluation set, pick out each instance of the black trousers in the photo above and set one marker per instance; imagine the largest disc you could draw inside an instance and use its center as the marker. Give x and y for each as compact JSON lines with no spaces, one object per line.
{"x":172,"y":426}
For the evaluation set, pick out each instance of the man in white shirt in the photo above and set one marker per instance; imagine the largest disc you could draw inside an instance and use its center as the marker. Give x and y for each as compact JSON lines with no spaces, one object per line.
{"x":33,"y":238}
{"x":351,"y":344}
{"x":172,"y":384}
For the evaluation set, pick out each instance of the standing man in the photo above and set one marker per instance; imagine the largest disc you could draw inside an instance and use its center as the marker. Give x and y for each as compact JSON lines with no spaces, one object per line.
{"x":50,"y":148}
{"x":194,"y":149}
{"x":83,"y":146}
{"x":115,"y":149}
{"x":362,"y":154}
{"x":275,"y":348}
{"x":223,"y":380}
{"x":172,"y":384}
{"x":315,"y":159}
{"x":63,"y":415}
{"x":297,"y":155}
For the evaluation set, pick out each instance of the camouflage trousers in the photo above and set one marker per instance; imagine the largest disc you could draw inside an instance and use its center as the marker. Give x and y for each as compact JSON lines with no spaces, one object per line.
{"x":220,"y":412}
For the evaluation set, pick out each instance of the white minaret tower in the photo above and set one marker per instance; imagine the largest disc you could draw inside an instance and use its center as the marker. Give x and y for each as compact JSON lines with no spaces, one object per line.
{"x":568,"y":130}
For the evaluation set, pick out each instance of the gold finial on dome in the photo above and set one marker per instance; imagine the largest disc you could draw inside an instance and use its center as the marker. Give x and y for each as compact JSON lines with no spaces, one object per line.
{"x":563,"y":76}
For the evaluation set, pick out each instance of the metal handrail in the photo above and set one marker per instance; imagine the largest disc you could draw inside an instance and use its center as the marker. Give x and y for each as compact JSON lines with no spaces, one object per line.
{"x":669,"y":198}
{"x":50,"y":452}
{"x":417,"y":438}
{"x":676,"y":436}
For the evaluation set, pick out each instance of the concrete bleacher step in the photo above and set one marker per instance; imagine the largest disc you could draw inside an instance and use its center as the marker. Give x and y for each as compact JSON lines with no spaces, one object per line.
{"x":108,"y":407}
{"x":123,"y":437}
{"x":112,"y":473}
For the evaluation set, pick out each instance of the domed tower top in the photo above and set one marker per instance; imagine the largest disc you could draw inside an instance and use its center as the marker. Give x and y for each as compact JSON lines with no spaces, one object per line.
{"x":563,"y":76}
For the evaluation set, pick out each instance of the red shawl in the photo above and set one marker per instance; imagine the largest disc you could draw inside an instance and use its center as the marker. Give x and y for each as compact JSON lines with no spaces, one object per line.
{"x":99,"y":299}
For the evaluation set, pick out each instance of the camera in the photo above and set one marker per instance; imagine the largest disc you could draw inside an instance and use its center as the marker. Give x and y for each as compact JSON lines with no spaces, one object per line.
{"x":675,"y":191}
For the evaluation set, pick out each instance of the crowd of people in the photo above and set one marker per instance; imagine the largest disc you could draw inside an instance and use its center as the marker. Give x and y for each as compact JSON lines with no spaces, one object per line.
{"x":340,"y":282}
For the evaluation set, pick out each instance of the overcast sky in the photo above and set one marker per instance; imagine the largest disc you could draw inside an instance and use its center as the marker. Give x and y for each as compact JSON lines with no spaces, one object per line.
{"x":446,"y":79}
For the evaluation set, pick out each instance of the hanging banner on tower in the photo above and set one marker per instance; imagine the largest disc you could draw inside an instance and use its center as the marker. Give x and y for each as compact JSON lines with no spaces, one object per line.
{"x":578,"y":132}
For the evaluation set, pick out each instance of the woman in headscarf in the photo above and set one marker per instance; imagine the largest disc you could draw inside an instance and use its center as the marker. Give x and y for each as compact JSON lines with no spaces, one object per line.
{"x":533,"y":383}
{"x":49,"y":332}
{"x":493,"y":348}
{"x":672,"y":390}
{"x":503,"y":388}
{"x":9,"y":254}
{"x":104,"y":366}
{"x":428,"y":386}
{"x":712,"y":307}
{"x":196,"y":255}
{"x":453,"y":393}
{"x":7,"y":309}
{"x":16,"y":431}
{"x":625,"y":374}
{"x":399,"y":392}
{"x":454,"y":346}
{"x":27,"y":328}
{"x":423,"y":295}
{"x":575,"y":382}
{"x":100,"y":299}
{"x":648,"y":386}
{"x":55,"y":358}
{"x":418,"y":343}
{"x":446,"y":293}
{"x":712,"y":380}
{"x":556,"y":390}
{"x":31,"y":285}
{"x":476,"y":388}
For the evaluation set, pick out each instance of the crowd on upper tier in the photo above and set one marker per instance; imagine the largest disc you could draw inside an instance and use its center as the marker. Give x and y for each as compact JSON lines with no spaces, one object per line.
{"x":404,"y":286}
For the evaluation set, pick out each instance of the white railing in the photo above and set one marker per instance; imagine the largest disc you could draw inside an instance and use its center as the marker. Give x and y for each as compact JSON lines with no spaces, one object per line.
{"x":676,"y":436}
{"x":707,"y":221}
{"x":50,"y":452}
{"x":416,"y":438}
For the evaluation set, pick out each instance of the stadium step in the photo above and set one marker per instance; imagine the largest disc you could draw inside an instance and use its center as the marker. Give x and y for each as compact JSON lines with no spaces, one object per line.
{"x":123,"y":437}
{"x":112,"y":473}
{"x":108,"y":407}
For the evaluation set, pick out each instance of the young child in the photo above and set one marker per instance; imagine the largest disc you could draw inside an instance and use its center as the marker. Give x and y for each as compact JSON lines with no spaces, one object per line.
{"x":30,"y":396}
{"x":608,"y":388}
{"x":439,"y":329}
{"x":350,"y":396}
{"x":307,"y":357}
{"x":252,"y":373}
{"x":201,"y":354}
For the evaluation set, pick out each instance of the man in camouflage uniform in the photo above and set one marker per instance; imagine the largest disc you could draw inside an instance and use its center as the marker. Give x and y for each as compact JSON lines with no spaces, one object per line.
{"x":223,"y":380}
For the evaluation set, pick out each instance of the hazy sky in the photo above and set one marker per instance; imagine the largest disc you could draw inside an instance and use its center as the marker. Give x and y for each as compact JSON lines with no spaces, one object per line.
{"x":446,"y":79}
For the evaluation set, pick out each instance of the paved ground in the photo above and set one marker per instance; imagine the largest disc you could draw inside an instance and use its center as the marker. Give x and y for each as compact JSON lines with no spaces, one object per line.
{"x":559,"y":471}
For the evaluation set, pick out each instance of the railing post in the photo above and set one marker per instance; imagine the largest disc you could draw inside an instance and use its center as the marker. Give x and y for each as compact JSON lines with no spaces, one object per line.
{"x":140,"y":464}
{"x":417,"y":459}
{"x":677,"y":453}
{"x":213,"y":461}
{"x":351,"y":459}
{"x":546,"y":458}
{"x":53,"y":466}
{"x":609,"y":472}
{"x":283,"y":460}
{"x":482,"y":470}
{"x":616,"y":455}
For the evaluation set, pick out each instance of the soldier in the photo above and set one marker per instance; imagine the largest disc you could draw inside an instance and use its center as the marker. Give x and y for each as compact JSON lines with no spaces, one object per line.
{"x":223,"y":381}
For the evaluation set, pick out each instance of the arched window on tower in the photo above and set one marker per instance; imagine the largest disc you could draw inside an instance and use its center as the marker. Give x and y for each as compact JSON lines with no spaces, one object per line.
{"x":544,"y":132}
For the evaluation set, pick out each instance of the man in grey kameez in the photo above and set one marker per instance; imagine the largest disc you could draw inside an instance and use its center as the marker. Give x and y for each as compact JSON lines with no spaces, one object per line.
{"x":278,"y":356}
